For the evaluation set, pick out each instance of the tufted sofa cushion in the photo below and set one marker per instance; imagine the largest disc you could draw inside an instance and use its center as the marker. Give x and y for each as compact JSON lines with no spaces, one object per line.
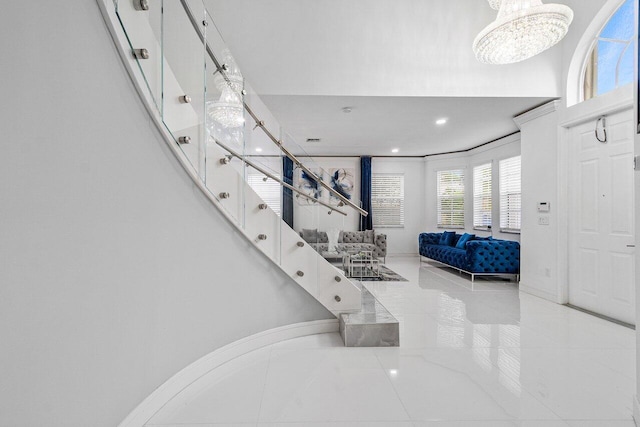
{"x":353,"y":237}
{"x":320,"y":247}
{"x":493,"y":256}
{"x":381,"y":245}
{"x":449,"y":255}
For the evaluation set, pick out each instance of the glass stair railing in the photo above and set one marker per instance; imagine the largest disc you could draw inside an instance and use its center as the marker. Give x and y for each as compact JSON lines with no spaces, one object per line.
{"x":235,"y":149}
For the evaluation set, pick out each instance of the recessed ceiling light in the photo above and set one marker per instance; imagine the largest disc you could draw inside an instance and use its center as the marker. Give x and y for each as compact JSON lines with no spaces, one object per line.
{"x":395,"y":150}
{"x":313,"y":139}
{"x":259,"y":150}
{"x":440,"y":122}
{"x":347,"y":110}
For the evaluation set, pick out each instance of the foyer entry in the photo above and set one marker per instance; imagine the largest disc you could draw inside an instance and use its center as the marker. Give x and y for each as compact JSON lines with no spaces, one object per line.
{"x":601,"y":218}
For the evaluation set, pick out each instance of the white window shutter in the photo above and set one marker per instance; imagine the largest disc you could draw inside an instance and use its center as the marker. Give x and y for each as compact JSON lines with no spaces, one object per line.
{"x":451,"y":198}
{"x":510,"y":194}
{"x":387,"y":200}
{"x":482,"y":196}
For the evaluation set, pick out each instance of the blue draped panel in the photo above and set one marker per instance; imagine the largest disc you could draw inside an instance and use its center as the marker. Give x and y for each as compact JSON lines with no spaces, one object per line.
{"x":287,"y":194}
{"x":366,"y":223}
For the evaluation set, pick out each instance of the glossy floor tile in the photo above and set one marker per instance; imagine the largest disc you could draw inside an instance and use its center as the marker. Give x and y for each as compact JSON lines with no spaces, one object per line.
{"x":477,"y":355}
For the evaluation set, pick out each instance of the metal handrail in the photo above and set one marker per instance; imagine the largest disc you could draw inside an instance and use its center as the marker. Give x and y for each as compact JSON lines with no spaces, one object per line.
{"x":295,"y":160}
{"x":260,"y":123}
{"x":275,"y":178}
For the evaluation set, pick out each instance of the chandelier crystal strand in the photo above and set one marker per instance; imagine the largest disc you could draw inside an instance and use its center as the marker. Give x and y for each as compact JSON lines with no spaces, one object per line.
{"x":495,"y":4}
{"x":228,"y":110}
{"x":232,"y":76}
{"x":524,"y":28}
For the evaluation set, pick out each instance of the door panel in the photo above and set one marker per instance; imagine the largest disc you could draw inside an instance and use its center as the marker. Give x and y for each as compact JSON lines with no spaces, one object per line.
{"x":589,"y":196}
{"x":621,"y":195}
{"x":602,"y":227}
{"x":588,"y":282}
{"x":622,"y":266}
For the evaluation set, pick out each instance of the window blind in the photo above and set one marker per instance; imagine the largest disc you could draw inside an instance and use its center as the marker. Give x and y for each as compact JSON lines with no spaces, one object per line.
{"x":510,"y":194}
{"x":451,"y":198}
{"x":268,"y":190}
{"x":387,"y":200}
{"x":482,"y":196}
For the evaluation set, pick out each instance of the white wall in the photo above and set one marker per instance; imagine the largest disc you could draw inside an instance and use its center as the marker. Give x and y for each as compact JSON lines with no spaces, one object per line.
{"x":116,"y":271}
{"x":539,"y":269}
{"x":502,"y":149}
{"x":404,"y":241}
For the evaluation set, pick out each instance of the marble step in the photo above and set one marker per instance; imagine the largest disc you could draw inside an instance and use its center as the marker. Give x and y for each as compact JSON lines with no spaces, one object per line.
{"x":372,"y":326}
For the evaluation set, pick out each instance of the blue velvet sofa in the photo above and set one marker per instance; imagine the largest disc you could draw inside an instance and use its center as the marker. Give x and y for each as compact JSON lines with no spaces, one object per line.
{"x":473,"y":255}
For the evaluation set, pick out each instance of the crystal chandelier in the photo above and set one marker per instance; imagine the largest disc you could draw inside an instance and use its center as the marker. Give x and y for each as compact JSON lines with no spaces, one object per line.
{"x":495,"y":4}
{"x":524,"y":28}
{"x":228,"y":110}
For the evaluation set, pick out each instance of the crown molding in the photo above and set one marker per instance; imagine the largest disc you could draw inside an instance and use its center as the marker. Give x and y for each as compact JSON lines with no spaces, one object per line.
{"x":537,"y":112}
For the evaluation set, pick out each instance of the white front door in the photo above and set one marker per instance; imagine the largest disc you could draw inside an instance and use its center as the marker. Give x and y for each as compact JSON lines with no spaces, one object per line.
{"x":601,"y":221}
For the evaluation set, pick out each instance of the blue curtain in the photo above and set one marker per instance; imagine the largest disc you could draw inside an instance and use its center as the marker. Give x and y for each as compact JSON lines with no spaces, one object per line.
{"x":366,"y":223}
{"x":287,"y":194}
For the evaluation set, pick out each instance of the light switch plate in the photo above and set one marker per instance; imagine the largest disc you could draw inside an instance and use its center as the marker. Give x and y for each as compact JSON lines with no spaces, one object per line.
{"x":543,"y":220}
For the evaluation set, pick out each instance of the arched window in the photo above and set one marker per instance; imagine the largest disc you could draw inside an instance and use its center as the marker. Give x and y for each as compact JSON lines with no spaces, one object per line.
{"x":610,"y":63}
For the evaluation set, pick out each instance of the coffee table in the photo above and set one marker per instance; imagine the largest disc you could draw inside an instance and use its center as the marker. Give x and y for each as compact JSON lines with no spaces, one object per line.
{"x":361,"y":264}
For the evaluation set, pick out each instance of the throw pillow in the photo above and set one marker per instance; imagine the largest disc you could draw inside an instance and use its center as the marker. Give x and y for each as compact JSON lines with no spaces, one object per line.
{"x":464,"y":239}
{"x":310,"y":236}
{"x":447,"y":238}
{"x":368,"y":236}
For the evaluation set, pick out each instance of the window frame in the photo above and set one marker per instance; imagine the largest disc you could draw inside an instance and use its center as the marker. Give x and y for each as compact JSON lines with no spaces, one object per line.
{"x":589,"y":69}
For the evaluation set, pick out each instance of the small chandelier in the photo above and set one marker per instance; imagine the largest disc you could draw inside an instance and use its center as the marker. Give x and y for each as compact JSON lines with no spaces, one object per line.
{"x":228,"y":111}
{"x":523,"y":28}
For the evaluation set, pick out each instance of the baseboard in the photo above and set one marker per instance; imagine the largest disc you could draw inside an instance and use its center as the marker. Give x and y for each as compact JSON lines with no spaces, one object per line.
{"x":636,"y":410}
{"x":163,"y":394}
{"x":539,"y":293}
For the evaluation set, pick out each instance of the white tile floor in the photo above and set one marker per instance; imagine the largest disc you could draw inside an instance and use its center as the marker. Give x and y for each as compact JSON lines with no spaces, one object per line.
{"x":486,"y":356}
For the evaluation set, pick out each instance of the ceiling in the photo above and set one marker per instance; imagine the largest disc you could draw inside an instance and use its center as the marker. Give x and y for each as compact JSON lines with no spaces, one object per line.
{"x":376,"y":125}
{"x":400,"y":65}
